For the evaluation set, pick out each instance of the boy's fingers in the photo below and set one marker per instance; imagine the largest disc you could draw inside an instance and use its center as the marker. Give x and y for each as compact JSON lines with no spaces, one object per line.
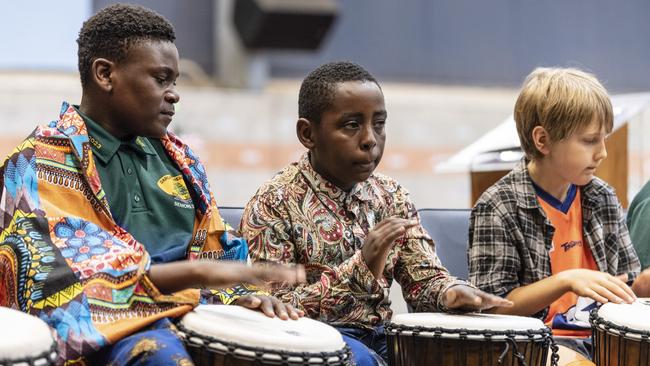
{"x":492,"y":301}
{"x":607,"y":293}
{"x":617,"y":291}
{"x":267,"y":307}
{"x":294,"y":313}
{"x":280,"y":309}
{"x":595,"y":296}
{"x":622,"y":285}
{"x":248,"y":301}
{"x":299,"y":273}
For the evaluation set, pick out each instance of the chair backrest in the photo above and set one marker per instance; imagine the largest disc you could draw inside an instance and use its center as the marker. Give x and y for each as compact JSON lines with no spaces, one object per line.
{"x":449,"y":229}
{"x":232,"y":215}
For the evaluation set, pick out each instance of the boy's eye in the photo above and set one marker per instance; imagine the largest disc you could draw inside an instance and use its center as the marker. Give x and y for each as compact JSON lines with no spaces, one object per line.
{"x":379,"y":125}
{"x":351,"y":124}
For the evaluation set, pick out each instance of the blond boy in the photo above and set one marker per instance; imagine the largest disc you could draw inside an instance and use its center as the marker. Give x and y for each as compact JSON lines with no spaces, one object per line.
{"x":550,"y":236}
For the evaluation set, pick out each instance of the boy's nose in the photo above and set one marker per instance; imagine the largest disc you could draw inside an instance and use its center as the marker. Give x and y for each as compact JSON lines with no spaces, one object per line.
{"x":602,"y":152}
{"x":368,"y":140}
{"x":172,"y":97}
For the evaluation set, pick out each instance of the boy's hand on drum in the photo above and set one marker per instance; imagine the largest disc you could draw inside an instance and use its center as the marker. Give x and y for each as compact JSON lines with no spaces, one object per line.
{"x":270,"y":306}
{"x":380,"y":240}
{"x":599,"y":286}
{"x":466,"y":299}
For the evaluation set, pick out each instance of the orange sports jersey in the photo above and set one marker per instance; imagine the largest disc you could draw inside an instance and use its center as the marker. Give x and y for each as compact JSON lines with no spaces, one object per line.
{"x":568,"y":315}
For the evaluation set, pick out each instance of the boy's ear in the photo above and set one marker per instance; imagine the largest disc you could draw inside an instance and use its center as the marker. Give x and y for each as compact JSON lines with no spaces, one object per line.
{"x":305,"y":129}
{"x":101,"y":72}
{"x":542,"y":140}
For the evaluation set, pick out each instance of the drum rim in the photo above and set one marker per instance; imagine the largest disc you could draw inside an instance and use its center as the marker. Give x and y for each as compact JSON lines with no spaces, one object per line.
{"x":47,"y":355}
{"x":616,"y":329}
{"x":342,"y":355}
{"x":540,"y":334}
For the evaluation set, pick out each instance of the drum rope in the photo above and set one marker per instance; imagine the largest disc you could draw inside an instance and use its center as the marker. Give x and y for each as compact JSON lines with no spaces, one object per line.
{"x":515,"y":352}
{"x":603,"y":350}
{"x":555,"y":357}
{"x":340,"y":357}
{"x":509,"y":338}
{"x":37,"y":360}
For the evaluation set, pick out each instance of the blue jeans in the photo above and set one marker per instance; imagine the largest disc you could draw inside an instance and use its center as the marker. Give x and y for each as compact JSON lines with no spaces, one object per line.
{"x":155,"y":345}
{"x":368,"y":346}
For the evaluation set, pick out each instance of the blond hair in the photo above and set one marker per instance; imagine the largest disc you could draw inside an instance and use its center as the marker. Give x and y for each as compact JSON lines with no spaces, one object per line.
{"x":562,"y":101}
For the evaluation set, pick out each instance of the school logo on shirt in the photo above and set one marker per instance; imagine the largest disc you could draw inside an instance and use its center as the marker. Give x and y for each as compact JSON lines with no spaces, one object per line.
{"x":175,"y":187}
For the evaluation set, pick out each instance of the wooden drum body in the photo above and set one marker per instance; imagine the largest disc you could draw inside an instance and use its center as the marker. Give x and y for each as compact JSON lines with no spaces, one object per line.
{"x":471,"y":339}
{"x":621,"y":334}
{"x":218,"y":335}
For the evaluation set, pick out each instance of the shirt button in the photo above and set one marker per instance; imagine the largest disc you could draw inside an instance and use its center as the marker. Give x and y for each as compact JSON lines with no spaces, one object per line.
{"x":136,"y":198}
{"x":129,"y":171}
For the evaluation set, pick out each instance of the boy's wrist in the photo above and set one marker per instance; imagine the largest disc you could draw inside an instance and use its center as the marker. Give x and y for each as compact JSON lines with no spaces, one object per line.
{"x":198,"y":272}
{"x":563,"y":280}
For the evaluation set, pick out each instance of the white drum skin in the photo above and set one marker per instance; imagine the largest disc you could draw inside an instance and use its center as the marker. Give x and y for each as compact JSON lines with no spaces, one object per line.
{"x":246,"y":334}
{"x":473,"y":322}
{"x":635,"y":316}
{"x":25,"y":338}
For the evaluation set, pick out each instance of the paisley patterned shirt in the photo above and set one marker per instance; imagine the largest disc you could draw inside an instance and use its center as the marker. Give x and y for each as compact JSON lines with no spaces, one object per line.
{"x":299,"y":217}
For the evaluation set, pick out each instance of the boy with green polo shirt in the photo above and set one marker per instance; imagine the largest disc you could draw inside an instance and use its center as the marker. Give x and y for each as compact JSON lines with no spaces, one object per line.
{"x":104,"y":212}
{"x":146,"y":192}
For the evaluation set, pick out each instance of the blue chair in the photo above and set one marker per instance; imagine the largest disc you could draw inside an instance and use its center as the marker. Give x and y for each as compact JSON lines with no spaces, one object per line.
{"x":449,"y":229}
{"x":232,"y":215}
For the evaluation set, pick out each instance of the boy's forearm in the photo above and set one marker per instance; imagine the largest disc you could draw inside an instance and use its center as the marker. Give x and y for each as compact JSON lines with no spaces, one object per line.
{"x":531,"y":299}
{"x":176,"y":276}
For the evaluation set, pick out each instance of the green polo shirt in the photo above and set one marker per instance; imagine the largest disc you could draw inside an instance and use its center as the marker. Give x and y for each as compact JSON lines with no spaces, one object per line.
{"x":146,"y":191}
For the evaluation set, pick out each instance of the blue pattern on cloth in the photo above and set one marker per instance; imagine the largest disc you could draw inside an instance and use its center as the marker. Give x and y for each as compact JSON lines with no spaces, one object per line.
{"x":153,"y":346}
{"x":235,"y":248}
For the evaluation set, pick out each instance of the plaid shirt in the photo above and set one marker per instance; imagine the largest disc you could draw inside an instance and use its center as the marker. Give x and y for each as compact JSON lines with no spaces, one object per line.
{"x":510,"y":236}
{"x":299,"y":217}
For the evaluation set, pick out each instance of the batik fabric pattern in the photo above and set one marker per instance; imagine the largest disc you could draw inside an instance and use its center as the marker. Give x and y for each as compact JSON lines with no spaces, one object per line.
{"x":65,"y":260}
{"x":300,"y":217}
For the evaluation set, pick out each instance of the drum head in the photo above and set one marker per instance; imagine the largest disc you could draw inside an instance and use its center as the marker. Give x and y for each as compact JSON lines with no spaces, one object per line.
{"x":24,"y":337}
{"x":634,"y":317}
{"x":238,"y":325}
{"x":451,"y":326}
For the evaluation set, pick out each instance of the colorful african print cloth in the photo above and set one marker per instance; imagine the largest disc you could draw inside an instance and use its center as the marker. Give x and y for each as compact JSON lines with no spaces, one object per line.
{"x":156,"y":345}
{"x":300,"y":217}
{"x":65,"y":260}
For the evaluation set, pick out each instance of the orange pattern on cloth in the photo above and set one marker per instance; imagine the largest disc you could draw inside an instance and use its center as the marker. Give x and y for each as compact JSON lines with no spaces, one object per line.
{"x":569,"y":252}
{"x":64,"y":259}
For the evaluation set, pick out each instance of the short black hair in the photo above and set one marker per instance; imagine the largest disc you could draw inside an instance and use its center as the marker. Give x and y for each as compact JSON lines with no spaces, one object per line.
{"x":318,"y":88}
{"x":114,"y":29}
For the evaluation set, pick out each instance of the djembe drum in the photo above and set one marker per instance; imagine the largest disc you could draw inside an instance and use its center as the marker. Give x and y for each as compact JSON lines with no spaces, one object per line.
{"x":621,"y":334}
{"x":218,"y":335}
{"x":25,"y":340}
{"x":470,"y":339}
